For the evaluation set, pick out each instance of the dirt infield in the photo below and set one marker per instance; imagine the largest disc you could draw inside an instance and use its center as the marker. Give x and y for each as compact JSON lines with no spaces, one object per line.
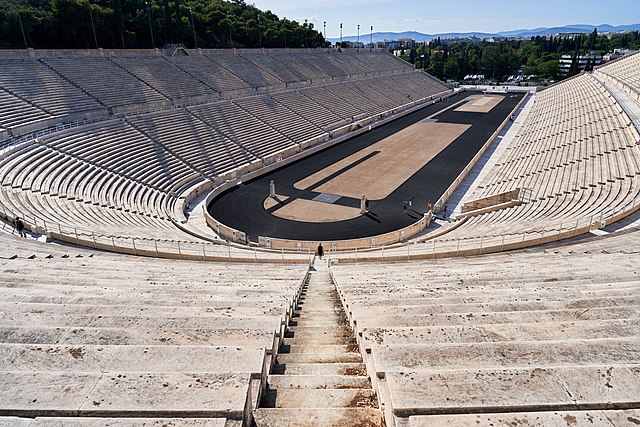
{"x":271,"y":202}
{"x":391,"y":162}
{"x":313,"y":211}
{"x":479,"y":104}
{"x":243,"y":207}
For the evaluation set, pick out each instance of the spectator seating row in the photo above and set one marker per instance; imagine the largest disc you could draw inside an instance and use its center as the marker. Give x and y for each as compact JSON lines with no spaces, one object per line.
{"x":110,"y":336}
{"x":577,"y":155}
{"x":623,"y":70}
{"x":64,"y":86}
{"x":517,"y":333}
{"x":122,"y":176}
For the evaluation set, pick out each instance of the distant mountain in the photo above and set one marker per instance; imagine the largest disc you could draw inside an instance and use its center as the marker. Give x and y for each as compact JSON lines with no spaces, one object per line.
{"x":422,"y":37}
{"x":580,"y":28}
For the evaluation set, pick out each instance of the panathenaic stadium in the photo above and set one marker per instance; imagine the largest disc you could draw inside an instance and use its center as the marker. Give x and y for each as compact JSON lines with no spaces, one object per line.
{"x":481,"y":246}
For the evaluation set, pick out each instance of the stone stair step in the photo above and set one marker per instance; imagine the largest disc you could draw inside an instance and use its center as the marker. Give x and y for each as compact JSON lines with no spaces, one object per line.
{"x":318,"y":417}
{"x":325,"y":294}
{"x":320,"y":398}
{"x":334,"y":318}
{"x":285,"y":358}
{"x":320,"y":349}
{"x":322,"y":339}
{"x":355,"y":369}
{"x":316,"y":304}
{"x":301,"y":323}
{"x":326,"y":315}
{"x":532,"y":419}
{"x":318,"y":313}
{"x":116,"y":422}
{"x":312,"y":332}
{"x":318,"y":382}
{"x":318,"y":365}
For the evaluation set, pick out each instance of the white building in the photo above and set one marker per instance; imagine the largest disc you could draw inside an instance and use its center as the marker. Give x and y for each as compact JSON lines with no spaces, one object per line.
{"x":566,"y":60}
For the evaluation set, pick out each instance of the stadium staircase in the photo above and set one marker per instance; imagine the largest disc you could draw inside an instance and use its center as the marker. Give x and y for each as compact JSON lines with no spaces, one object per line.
{"x":319,"y":375}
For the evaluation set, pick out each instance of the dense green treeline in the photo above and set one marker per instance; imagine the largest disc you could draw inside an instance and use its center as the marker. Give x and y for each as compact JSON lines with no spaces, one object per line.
{"x":499,"y":60}
{"x":131,"y":23}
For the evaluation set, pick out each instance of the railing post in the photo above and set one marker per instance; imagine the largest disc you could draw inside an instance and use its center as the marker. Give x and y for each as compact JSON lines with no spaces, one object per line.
{"x":502,"y":246}
{"x":113,"y":244}
{"x":282,"y":254}
{"x":255,"y":254}
{"x":481,"y":242}
{"x":524,"y":234}
{"x":135,"y":252}
{"x":155,"y":242}
{"x":228,"y":252}
{"x":356,"y":254}
{"x":575,"y":230}
{"x":75,"y":230}
{"x":408,"y":252}
{"x":559,"y":232}
{"x":542,"y":236}
{"x":93,"y":235}
{"x":179,"y":251}
{"x":433,"y":249}
{"x":204,"y":253}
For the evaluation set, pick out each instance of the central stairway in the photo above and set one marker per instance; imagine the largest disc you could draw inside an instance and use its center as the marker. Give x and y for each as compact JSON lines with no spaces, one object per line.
{"x":319,"y":378}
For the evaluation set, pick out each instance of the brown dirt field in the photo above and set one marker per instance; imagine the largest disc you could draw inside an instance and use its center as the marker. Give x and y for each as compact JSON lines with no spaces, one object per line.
{"x":314,"y":211}
{"x":479,"y":104}
{"x":270,"y":202}
{"x":400,"y":156}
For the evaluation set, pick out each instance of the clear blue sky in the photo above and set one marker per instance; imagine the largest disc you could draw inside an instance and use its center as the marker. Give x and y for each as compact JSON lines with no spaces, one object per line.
{"x":428,"y":16}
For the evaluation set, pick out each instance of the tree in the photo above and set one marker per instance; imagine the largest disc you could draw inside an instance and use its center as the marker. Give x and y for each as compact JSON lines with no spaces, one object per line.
{"x":592,"y":39}
{"x":451,"y":68}
{"x":575,"y":66}
{"x":589,"y":65}
{"x":125,"y":24}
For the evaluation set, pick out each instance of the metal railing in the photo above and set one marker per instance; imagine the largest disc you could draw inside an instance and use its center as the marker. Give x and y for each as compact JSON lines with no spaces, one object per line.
{"x":443,"y":247}
{"x":181,"y":249}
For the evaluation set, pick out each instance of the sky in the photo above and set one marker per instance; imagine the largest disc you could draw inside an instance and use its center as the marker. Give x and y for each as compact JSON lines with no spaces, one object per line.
{"x":431,"y":17}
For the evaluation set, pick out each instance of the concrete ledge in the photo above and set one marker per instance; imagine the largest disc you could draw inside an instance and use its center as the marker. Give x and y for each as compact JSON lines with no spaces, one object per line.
{"x":547,"y":389}
{"x":596,"y":417}
{"x":489,"y":201}
{"x":119,"y":422}
{"x":493,"y":208}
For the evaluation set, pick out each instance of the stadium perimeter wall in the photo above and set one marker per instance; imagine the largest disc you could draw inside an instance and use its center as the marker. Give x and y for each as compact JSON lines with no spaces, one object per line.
{"x":397,"y":236}
{"x":294,"y":154}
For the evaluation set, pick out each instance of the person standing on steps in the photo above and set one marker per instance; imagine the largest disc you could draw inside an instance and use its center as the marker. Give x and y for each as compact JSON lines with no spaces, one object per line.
{"x":20,"y":227}
{"x":320,"y":251}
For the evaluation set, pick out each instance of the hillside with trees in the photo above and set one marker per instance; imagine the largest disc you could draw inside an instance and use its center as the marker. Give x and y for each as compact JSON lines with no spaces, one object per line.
{"x":498,"y":60}
{"x":67,"y":24}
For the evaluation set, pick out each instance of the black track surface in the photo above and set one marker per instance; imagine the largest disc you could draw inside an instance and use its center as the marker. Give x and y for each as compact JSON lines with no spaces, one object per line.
{"x":242,"y":207}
